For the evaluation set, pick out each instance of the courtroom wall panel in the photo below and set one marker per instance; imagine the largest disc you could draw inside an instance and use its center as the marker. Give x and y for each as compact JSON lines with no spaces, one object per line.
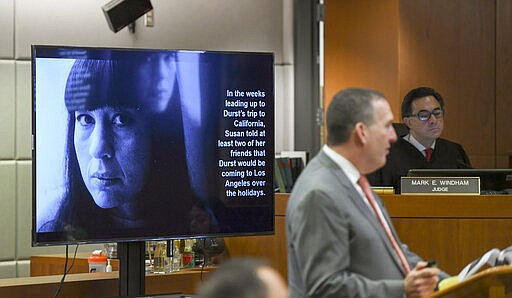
{"x":361,"y":47}
{"x":450,"y":45}
{"x":503,"y":77}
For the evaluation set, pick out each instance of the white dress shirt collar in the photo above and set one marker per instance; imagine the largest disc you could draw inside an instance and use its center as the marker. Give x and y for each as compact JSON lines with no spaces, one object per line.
{"x":409,"y":138}
{"x":348,"y":168}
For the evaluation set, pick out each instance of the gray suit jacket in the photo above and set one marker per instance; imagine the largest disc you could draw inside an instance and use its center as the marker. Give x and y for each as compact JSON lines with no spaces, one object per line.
{"x":336,"y":246}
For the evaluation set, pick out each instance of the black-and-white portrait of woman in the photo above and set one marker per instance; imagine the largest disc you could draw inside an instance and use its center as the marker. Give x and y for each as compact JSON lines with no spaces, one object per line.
{"x":126,"y":143}
{"x":123,"y":146}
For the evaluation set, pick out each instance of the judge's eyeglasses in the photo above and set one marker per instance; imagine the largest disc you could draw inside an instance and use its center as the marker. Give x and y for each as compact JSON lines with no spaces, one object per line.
{"x":424,"y":115}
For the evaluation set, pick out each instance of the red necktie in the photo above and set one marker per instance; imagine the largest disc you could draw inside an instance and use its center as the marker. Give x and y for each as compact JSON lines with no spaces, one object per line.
{"x":428,"y":153}
{"x":365,"y":186}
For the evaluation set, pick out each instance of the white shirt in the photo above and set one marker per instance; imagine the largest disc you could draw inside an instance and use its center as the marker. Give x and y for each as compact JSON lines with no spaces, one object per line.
{"x":352,"y":173}
{"x":409,"y":138}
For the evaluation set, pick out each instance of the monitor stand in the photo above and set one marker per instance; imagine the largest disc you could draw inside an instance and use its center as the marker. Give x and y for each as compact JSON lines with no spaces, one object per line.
{"x":132,"y":274}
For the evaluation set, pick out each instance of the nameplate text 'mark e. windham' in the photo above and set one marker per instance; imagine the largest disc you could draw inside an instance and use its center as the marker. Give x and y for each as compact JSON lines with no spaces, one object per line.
{"x":440,"y":185}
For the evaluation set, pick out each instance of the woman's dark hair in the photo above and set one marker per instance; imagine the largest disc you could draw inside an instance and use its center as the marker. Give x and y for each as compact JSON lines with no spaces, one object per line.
{"x":419,"y":93}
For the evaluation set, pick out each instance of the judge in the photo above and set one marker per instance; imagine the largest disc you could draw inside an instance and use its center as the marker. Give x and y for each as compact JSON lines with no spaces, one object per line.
{"x":423,"y":114}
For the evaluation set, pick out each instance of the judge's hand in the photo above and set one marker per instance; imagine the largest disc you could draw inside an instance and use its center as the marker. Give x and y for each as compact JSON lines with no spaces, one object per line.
{"x":421,"y":281}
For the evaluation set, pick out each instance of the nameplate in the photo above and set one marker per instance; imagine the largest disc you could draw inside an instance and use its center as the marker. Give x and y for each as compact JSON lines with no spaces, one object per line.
{"x":440,"y":185}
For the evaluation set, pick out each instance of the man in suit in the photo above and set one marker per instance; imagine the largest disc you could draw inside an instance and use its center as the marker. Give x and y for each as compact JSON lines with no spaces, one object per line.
{"x":422,"y":147}
{"x":338,"y":240}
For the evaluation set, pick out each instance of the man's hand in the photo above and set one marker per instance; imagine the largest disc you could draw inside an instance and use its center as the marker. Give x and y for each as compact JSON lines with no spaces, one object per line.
{"x":421,"y":281}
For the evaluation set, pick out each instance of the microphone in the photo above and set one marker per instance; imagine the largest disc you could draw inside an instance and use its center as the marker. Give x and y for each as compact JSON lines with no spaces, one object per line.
{"x":461,"y":164}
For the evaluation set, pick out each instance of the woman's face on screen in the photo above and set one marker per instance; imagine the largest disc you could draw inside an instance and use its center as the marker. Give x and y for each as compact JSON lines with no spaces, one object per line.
{"x":157,"y":78}
{"x":112,"y":147}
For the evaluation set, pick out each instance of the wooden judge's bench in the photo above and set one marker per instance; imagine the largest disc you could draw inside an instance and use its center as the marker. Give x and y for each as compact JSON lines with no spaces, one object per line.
{"x":452,"y":229}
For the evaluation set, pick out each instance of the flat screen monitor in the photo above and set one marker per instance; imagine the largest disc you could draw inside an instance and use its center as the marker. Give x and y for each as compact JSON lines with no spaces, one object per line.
{"x":140,"y":144}
{"x":492,"y":181}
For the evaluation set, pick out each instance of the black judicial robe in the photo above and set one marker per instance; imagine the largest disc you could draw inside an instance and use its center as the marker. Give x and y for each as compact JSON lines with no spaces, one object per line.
{"x":404,"y":156}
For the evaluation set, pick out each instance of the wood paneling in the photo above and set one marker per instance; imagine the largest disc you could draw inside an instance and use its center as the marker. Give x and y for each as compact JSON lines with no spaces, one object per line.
{"x":453,"y":242}
{"x":361,"y":47}
{"x":503,"y":84}
{"x":452,"y":229}
{"x":43,"y":265}
{"x":459,"y":47}
{"x":449,"y":45}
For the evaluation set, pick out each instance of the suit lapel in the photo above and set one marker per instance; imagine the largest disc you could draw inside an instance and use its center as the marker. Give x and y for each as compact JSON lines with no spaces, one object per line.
{"x":384,"y":237}
{"x":356,"y":199}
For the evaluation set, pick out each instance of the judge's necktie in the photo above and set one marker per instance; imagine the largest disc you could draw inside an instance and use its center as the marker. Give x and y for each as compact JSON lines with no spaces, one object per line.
{"x":428,"y":153}
{"x":365,"y":186}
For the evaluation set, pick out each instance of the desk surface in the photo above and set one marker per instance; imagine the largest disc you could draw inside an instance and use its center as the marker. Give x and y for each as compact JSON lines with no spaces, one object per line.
{"x":100,"y":284}
{"x":493,"y":283}
{"x":449,"y":206}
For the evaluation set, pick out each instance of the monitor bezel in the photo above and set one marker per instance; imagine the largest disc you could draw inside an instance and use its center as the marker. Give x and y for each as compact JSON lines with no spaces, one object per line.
{"x":35,"y":242}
